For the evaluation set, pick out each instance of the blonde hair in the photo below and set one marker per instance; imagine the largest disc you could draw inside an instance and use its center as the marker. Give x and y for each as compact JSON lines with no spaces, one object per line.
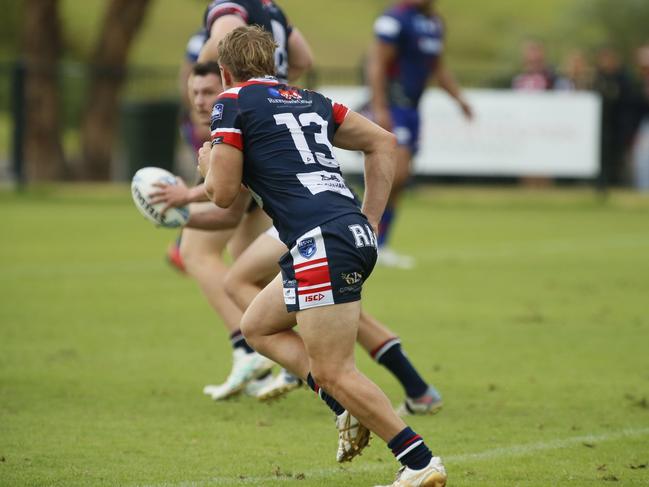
{"x":248,"y":52}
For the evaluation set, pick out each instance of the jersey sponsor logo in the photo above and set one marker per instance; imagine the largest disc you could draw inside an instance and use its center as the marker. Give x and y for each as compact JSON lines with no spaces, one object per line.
{"x":307,"y":247}
{"x":217,"y":112}
{"x":286,"y":93}
{"x":319,"y":181}
{"x":289,"y":96}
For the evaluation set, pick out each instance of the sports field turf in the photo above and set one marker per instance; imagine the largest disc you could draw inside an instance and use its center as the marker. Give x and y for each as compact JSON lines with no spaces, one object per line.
{"x":529,"y":311}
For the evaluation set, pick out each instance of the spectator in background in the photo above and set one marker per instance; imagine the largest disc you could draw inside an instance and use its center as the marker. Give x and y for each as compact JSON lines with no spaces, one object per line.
{"x":640,"y":159}
{"x":537,"y":74}
{"x":576,"y":72}
{"x":614,"y":83}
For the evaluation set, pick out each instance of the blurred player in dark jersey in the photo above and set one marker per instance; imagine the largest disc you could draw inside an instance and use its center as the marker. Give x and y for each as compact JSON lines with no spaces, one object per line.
{"x":201,"y":251}
{"x":278,"y":141}
{"x":408,"y":50}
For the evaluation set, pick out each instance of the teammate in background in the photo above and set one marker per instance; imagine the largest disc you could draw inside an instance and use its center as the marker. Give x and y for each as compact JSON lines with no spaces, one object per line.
{"x":407,"y":51}
{"x":278,"y":141}
{"x":201,"y":252}
{"x":257,"y":266}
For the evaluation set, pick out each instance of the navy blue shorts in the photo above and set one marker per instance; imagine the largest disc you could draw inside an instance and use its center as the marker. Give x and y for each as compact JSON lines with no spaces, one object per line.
{"x":405,"y":126}
{"x":329,"y":264}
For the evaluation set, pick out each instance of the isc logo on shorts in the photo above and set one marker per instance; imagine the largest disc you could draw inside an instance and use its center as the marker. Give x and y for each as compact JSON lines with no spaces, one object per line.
{"x":314,"y":298}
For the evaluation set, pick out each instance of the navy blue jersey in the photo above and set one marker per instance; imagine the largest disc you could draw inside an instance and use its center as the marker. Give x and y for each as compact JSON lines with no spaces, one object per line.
{"x":195,"y":44}
{"x":286,"y":137}
{"x":419,"y":40}
{"x":263,"y":13}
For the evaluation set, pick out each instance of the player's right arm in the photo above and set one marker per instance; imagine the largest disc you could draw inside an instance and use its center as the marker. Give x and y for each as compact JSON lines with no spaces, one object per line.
{"x":383,"y":53}
{"x":379,"y":146}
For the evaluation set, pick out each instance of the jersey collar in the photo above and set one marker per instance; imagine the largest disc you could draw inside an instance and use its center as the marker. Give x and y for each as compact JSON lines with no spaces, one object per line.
{"x":266,"y":80}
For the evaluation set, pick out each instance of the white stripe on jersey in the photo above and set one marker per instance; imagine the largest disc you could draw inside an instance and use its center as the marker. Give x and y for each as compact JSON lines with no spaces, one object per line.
{"x":387,"y":26}
{"x":232,"y":91}
{"x":230,"y":131}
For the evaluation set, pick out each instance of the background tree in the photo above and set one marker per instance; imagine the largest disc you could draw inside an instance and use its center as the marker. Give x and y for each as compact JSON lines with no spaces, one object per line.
{"x":622,"y":24}
{"x":41,"y":41}
{"x":108,"y":72}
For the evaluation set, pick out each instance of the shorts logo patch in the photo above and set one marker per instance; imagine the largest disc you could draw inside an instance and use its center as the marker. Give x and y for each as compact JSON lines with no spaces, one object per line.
{"x":314,"y":298}
{"x":352,"y":277}
{"x":290,"y":295}
{"x":217,"y":112}
{"x":307,"y":247}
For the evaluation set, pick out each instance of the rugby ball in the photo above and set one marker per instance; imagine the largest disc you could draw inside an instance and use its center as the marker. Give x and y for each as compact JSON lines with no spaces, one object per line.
{"x":143,"y":185}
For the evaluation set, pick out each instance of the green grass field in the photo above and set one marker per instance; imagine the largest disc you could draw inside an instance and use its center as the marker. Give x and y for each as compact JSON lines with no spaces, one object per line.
{"x":528,"y":310}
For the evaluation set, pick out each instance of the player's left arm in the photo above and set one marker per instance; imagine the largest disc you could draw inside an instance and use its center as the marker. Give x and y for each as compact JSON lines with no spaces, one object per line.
{"x":300,"y":56}
{"x":222,"y":167}
{"x":448,"y":83}
{"x":379,"y":146}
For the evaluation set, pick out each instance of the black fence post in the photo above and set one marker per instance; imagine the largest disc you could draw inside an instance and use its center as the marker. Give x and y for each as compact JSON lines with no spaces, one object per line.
{"x":18,"y":115}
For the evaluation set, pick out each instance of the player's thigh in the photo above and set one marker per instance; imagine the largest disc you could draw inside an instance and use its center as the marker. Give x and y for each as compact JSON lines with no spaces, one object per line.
{"x":258,"y":263}
{"x":253,"y":224}
{"x":201,"y":242}
{"x":329,"y":333}
{"x":267,"y":314}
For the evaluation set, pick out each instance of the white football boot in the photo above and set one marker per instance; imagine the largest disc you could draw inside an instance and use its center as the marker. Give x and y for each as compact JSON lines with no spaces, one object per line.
{"x":245,"y":367}
{"x":389,"y":258}
{"x":433,"y":475}
{"x":254,"y":386}
{"x":430,"y":403}
{"x":353,"y":437}
{"x":281,"y":384}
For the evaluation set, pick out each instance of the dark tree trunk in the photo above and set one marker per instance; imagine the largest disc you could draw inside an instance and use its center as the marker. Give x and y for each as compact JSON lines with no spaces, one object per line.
{"x":121,"y":24}
{"x":42,"y":47}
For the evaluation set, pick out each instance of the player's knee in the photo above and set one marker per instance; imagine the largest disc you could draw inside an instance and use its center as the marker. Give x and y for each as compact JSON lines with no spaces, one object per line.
{"x":250,"y":331}
{"x":327,"y":375}
{"x":232,"y":283}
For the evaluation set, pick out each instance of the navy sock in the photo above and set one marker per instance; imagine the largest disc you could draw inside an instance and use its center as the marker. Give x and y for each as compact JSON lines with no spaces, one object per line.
{"x":334,"y":405}
{"x":384,"y":226}
{"x":409,"y":448}
{"x":237,"y":340}
{"x":390,"y":355}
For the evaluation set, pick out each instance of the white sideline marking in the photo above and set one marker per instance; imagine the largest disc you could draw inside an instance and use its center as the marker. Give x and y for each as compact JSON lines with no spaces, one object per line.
{"x":504,"y":452}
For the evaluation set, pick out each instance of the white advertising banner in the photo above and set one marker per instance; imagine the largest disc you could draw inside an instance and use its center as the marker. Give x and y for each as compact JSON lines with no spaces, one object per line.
{"x":513,"y":133}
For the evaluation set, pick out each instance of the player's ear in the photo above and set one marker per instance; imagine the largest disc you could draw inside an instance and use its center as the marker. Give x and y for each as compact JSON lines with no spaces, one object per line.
{"x":226,"y":78}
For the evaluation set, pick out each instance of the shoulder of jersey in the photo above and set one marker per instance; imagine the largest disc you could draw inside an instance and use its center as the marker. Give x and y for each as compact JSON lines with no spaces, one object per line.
{"x":218,"y":8}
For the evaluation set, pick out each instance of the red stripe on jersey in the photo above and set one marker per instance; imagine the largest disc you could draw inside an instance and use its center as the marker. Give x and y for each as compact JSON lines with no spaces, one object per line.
{"x":259,"y":82}
{"x":312,"y":262}
{"x":340,"y":112}
{"x":230,"y":138}
{"x":229,"y":8}
{"x":234,"y":96}
{"x":315,"y":291}
{"x":313,"y":277}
